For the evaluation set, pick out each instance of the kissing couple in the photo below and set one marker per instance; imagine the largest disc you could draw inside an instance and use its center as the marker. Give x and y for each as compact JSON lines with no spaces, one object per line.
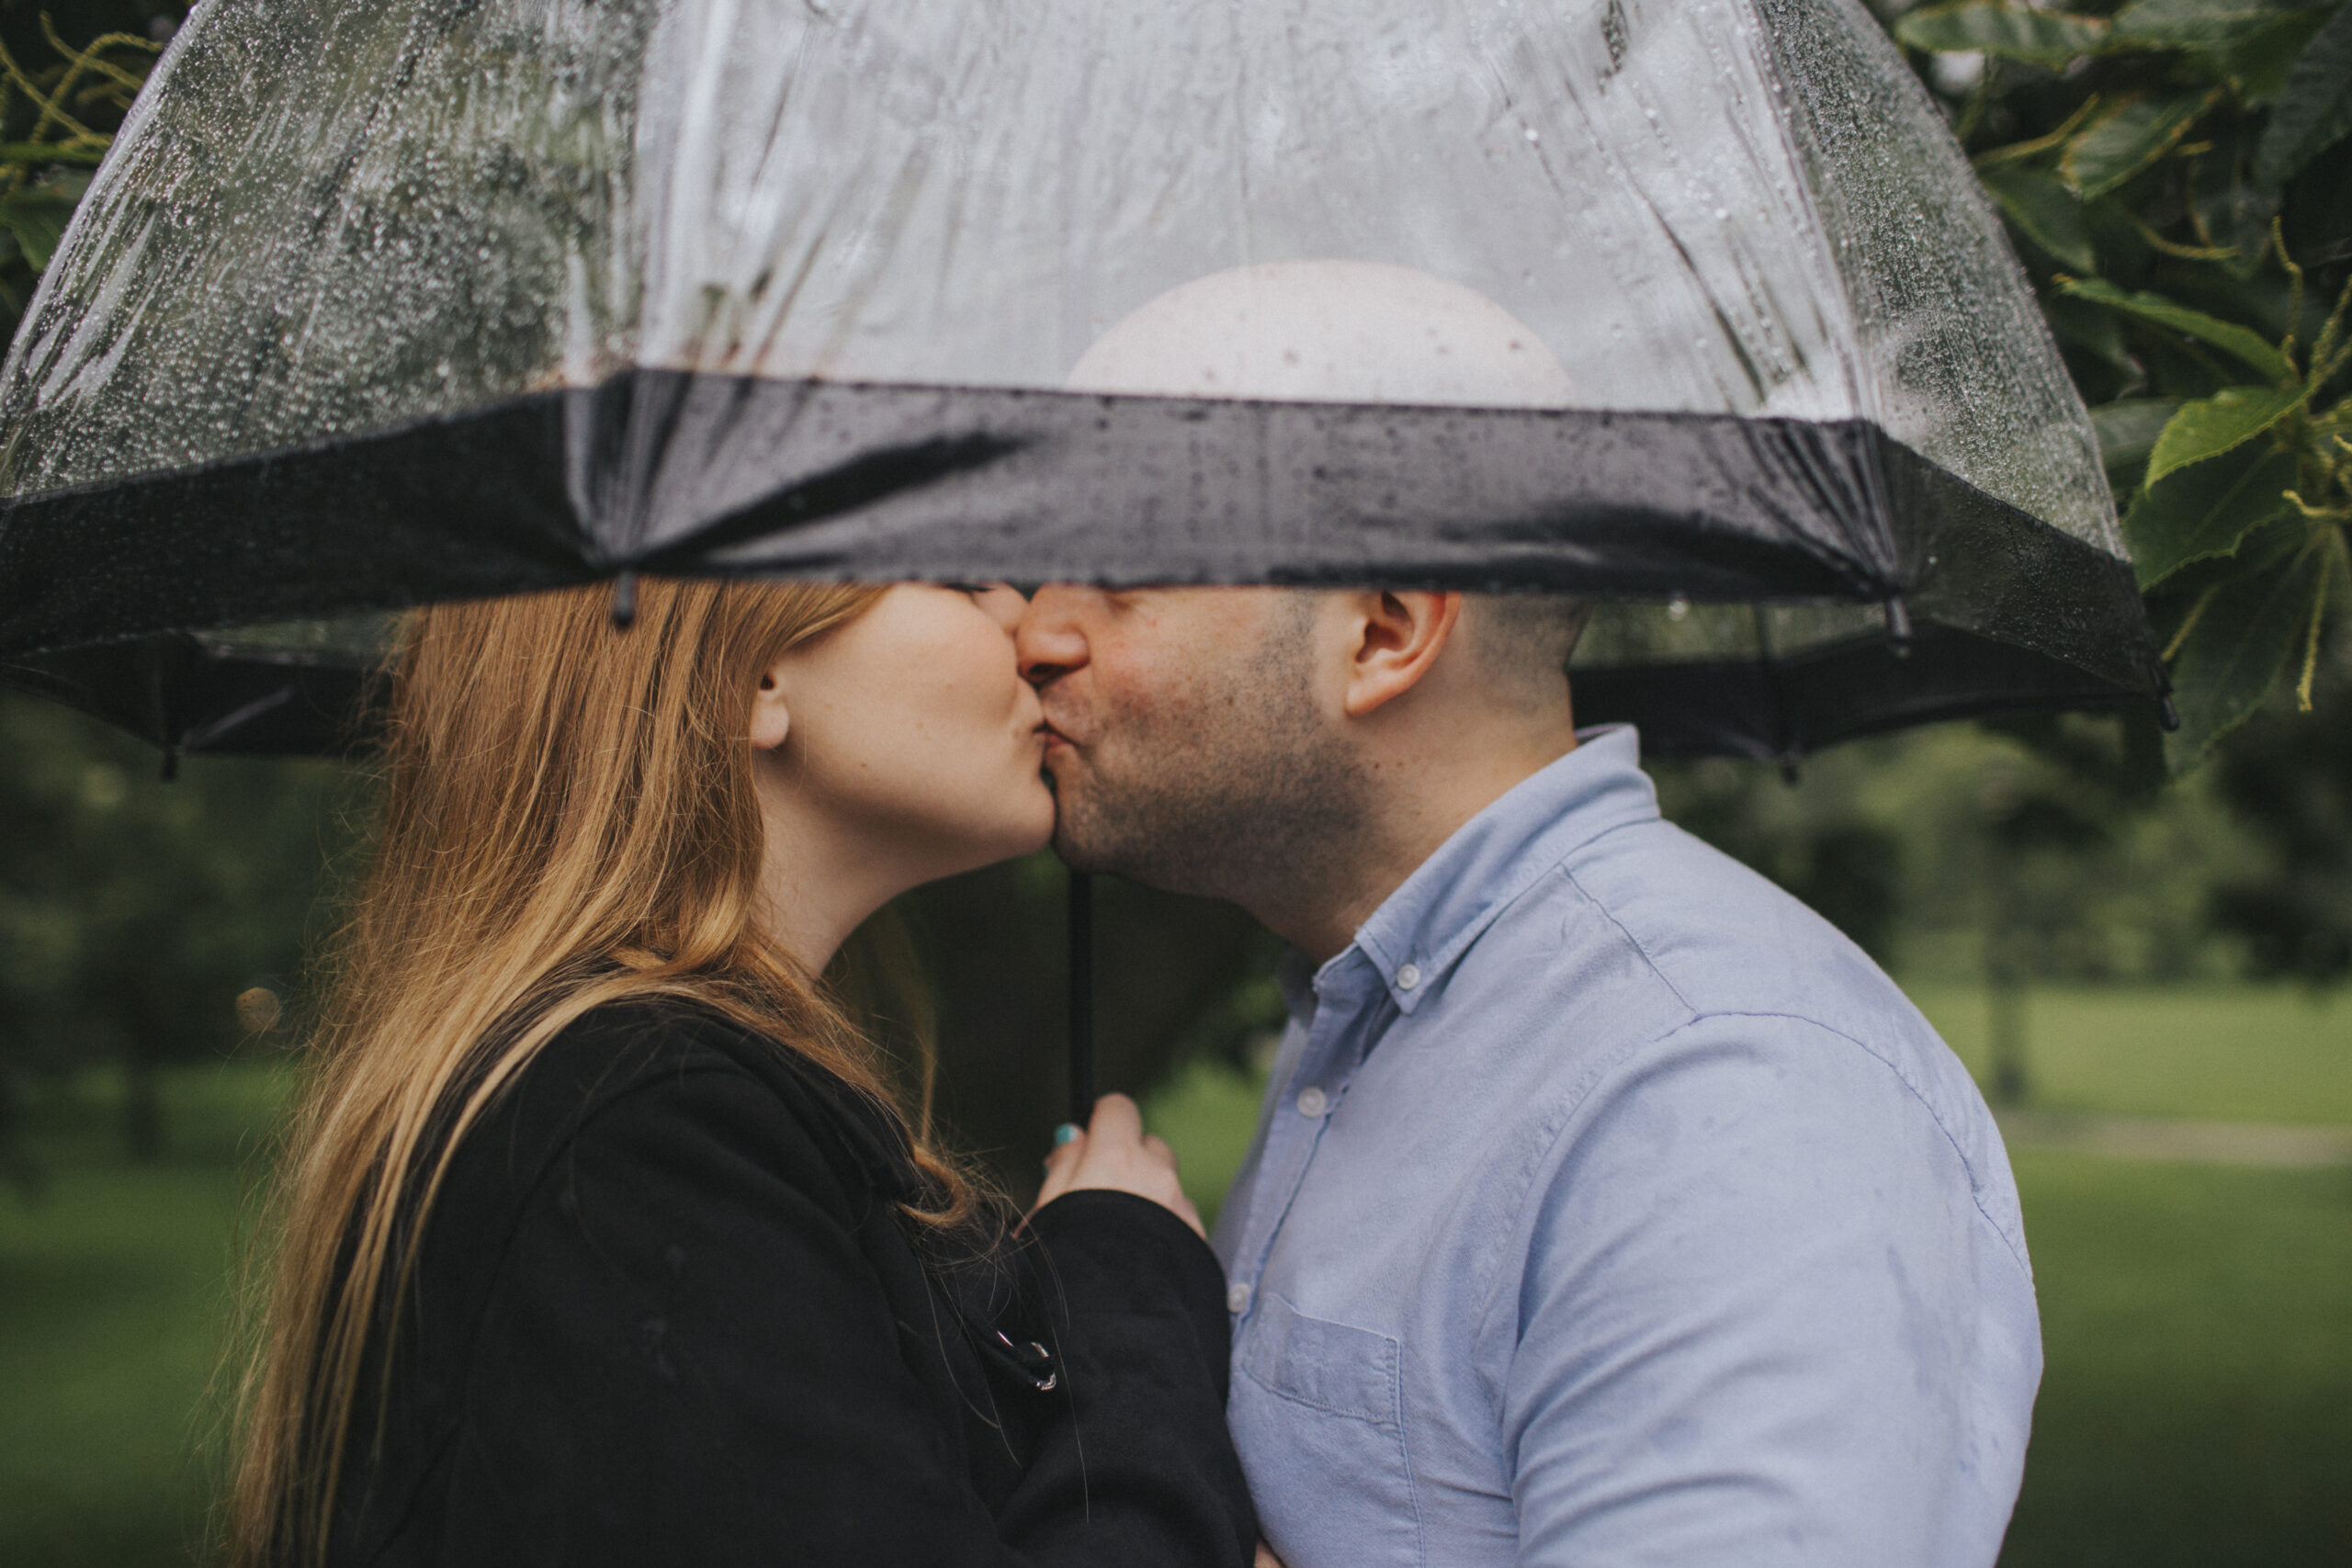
{"x":1607,"y":1207}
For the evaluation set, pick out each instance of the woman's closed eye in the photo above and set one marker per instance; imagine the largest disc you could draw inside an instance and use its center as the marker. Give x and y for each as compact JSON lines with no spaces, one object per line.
{"x":1002,"y":602}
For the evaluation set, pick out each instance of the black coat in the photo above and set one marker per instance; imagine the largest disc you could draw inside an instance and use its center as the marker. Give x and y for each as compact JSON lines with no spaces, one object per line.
{"x":666,"y":1312}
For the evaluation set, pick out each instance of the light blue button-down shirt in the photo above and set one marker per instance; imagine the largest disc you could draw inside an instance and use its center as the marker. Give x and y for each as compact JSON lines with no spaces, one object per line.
{"x":1610,"y":1208}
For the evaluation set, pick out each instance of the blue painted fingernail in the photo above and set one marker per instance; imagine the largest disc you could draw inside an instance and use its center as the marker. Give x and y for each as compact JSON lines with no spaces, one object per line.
{"x":1065,"y":1133}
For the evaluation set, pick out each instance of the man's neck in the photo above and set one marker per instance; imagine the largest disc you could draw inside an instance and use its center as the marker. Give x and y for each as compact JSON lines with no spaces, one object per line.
{"x":1410,"y":813}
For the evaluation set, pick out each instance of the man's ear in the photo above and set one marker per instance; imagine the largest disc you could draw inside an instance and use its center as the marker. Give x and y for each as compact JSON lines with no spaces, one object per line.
{"x":1393,"y":638}
{"x":771,"y":721}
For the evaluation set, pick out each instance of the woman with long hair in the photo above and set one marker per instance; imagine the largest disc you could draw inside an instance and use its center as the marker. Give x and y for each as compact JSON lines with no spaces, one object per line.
{"x":603,"y":1234}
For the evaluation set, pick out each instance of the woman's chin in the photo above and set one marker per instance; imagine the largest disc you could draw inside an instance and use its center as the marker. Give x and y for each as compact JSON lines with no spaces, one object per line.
{"x":1023,"y":830}
{"x":1041,"y":825}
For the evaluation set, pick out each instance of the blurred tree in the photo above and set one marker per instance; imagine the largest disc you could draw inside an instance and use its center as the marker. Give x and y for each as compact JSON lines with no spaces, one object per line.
{"x":133,"y":912}
{"x":2012,"y":853}
{"x":2289,"y":782}
{"x":1895,"y":840}
{"x":2018,"y":822}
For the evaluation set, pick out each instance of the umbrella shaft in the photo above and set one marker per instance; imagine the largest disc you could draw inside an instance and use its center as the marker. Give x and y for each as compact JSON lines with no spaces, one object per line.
{"x":1081,"y":997}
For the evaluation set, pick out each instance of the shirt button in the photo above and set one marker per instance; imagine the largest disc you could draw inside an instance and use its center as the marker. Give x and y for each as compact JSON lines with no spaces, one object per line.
{"x":1237,"y":1296}
{"x":1407,"y":976}
{"x":1313,"y":1103}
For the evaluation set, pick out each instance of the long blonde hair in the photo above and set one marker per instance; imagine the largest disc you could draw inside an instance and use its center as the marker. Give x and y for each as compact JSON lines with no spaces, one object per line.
{"x":568,"y":819}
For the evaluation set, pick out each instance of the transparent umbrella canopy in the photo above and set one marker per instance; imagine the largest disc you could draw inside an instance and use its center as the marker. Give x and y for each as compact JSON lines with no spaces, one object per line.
{"x":1688,"y":306}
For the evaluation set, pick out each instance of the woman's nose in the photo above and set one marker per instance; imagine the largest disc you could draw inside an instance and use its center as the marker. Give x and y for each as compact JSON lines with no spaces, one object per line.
{"x":1005,"y":602}
{"x":1051,"y":641}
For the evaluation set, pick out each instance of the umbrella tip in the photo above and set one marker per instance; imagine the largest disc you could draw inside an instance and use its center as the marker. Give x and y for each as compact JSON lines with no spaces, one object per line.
{"x":1898,"y":627}
{"x":624,"y":601}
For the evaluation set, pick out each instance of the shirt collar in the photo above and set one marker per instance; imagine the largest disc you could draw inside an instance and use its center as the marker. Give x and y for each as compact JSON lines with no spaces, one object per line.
{"x":1422,"y":930}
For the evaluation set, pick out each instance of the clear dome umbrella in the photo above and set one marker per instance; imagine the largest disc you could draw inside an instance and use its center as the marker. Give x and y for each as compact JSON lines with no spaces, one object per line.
{"x":1688,"y":306}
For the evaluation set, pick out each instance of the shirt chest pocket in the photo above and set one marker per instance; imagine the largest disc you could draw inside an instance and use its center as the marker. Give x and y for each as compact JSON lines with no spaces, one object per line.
{"x":1317,"y":1413}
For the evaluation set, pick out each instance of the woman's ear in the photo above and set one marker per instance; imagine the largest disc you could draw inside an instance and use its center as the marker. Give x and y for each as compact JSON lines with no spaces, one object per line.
{"x":771,"y":721}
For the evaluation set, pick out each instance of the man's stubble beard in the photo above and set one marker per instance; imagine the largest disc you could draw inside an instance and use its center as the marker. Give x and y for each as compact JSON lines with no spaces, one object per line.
{"x":1245,"y":794}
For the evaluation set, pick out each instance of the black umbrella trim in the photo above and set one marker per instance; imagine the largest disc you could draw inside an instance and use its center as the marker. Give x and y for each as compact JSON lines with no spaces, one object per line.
{"x":707,"y":475}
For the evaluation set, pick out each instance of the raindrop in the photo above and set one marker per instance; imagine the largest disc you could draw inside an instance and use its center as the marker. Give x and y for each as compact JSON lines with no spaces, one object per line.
{"x":1956,"y":74}
{"x":1533,"y":135}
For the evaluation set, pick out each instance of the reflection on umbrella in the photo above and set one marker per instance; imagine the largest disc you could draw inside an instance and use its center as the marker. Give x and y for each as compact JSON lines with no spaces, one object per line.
{"x":373,"y":306}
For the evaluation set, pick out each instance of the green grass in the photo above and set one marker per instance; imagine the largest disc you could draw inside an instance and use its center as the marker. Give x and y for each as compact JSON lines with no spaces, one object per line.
{"x":114,"y":1296}
{"x":2216,"y":1053}
{"x":2197,"y":1405}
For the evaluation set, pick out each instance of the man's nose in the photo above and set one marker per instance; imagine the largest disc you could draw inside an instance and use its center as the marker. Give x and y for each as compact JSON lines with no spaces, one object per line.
{"x":1050,"y":641}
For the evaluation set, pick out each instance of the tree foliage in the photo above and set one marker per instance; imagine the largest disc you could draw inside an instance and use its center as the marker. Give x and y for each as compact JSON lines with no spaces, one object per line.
{"x":2173,"y":175}
{"x":2288,"y":781}
{"x":144,"y":922}
{"x":68,"y":74}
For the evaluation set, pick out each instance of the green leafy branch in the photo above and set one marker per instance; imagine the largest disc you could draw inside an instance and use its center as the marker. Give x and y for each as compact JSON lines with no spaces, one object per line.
{"x":58,"y":120}
{"x":2160,"y":168}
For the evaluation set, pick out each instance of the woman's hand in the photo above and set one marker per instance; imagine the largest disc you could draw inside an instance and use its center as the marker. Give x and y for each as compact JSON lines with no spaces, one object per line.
{"x":1114,"y":1152}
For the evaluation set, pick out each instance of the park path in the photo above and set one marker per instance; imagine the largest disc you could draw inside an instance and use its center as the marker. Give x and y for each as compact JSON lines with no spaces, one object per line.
{"x":2166,"y":1138}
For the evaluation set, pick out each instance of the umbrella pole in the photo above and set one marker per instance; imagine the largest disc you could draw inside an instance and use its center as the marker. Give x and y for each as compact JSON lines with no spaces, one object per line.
{"x":1081,"y":997}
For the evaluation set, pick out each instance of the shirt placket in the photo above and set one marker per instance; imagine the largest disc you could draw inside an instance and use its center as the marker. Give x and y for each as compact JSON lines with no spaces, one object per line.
{"x":1346,"y":1006}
